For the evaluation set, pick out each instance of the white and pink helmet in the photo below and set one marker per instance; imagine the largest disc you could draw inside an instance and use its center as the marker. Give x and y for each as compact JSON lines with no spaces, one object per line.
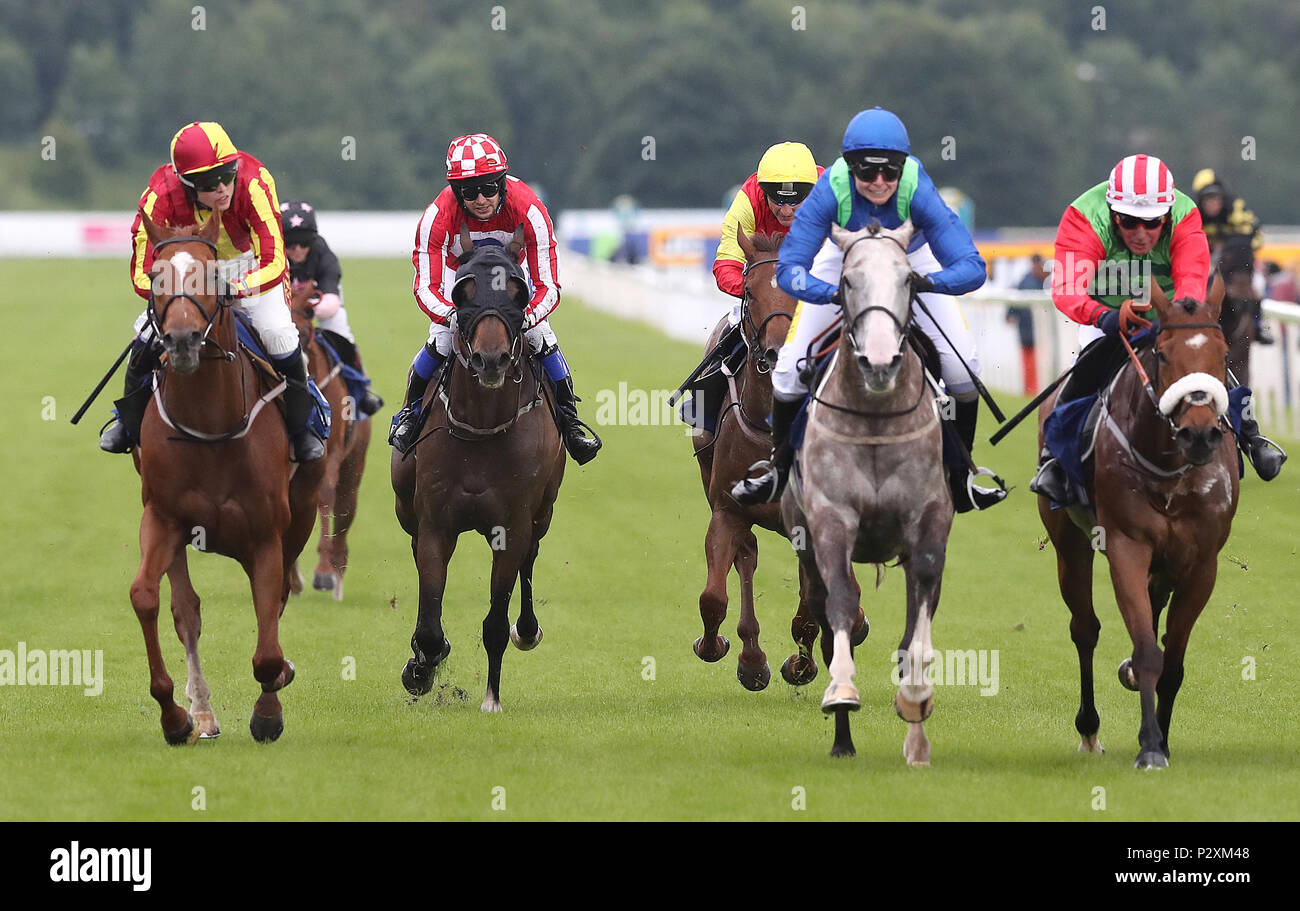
{"x":475,"y":155}
{"x":1142,"y":186}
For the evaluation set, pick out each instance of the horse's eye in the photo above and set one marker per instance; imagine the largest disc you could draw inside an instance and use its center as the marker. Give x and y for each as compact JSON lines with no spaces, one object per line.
{"x":1160,"y":356}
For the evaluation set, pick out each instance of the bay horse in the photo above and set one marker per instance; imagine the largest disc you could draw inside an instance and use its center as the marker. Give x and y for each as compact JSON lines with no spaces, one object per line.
{"x":345,"y":451}
{"x":742,"y":437}
{"x":1165,"y":490}
{"x":1236,"y":263}
{"x":489,"y":460}
{"x":869,"y":483}
{"x":214,"y":472}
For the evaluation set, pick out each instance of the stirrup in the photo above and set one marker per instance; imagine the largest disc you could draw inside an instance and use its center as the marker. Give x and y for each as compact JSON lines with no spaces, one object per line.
{"x":307,"y":447}
{"x":983,"y":497}
{"x":1052,"y":482}
{"x":766,"y":488}
{"x":1261,"y":445}
{"x":403,"y":435}
{"x":115,"y":438}
{"x":370,"y":403}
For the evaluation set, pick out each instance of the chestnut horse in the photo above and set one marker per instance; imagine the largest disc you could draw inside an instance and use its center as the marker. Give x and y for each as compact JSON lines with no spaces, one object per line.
{"x":214,"y":472}
{"x":345,"y":451}
{"x":742,"y":437}
{"x":1165,"y":490}
{"x":489,"y":460}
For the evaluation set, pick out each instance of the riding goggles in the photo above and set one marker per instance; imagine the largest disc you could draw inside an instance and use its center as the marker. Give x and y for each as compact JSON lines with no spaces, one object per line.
{"x":786,"y":194}
{"x":1132,"y":221}
{"x":866,"y":169}
{"x":207,"y":181}
{"x":472,"y":191}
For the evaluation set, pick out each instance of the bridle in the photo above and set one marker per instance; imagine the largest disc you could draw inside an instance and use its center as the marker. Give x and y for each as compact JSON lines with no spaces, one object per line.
{"x":754,"y":330}
{"x":465,"y":335}
{"x":1149,"y":385}
{"x":156,"y":317}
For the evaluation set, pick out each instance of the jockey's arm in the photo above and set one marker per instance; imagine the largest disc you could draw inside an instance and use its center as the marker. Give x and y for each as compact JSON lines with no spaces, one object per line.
{"x":964,"y":269}
{"x":812,"y":225}
{"x":1077,"y":252}
{"x":729,"y":266}
{"x":432,"y":246}
{"x":1189,"y":257}
{"x":539,"y":246}
{"x":267,"y":239}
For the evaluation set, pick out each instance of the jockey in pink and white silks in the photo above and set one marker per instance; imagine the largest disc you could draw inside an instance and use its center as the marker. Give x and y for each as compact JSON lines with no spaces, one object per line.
{"x":876,"y":179}
{"x":484,"y":199}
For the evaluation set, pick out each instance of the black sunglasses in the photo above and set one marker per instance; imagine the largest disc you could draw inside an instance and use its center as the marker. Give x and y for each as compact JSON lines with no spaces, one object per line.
{"x":471,"y":192}
{"x":867,"y":171}
{"x":786,"y":197}
{"x":1132,"y":221}
{"x":210,"y":180}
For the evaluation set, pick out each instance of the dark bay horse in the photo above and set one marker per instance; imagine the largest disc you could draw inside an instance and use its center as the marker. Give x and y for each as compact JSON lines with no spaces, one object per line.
{"x":345,"y":452}
{"x":869,"y":483}
{"x":1165,"y":490}
{"x":214,"y":472}
{"x":1236,"y":264}
{"x":742,"y":438}
{"x":489,"y":460}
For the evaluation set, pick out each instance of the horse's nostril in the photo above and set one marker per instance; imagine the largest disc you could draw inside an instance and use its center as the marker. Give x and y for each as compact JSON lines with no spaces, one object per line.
{"x":895,"y":361}
{"x":863,"y":362}
{"x":476,"y":361}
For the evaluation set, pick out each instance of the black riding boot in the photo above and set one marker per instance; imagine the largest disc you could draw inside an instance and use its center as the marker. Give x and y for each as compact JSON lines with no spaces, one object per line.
{"x":406,"y":422}
{"x":125,"y":433}
{"x":581,"y":447}
{"x":1051,"y":481}
{"x":348,"y":354}
{"x":966,"y":419}
{"x":768,"y":486}
{"x":1265,"y":455}
{"x":298,"y":403}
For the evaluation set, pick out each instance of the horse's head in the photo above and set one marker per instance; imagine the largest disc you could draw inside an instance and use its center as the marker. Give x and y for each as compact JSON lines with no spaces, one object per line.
{"x":769,"y":309}
{"x":876,"y":298}
{"x":187,"y":290}
{"x":490,"y":295}
{"x":1190,"y":357}
{"x":302,"y":307}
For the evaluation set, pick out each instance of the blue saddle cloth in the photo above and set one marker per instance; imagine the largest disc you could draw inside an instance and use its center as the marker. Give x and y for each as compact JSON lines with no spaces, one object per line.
{"x":356,"y":381}
{"x":319,"y":421}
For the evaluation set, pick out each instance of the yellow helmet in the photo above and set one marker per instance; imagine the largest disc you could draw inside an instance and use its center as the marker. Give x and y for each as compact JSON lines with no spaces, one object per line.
{"x":787,"y":162}
{"x":1205,"y":177}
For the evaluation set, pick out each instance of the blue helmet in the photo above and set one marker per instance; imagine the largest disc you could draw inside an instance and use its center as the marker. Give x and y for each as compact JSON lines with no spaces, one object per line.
{"x":876,"y":129}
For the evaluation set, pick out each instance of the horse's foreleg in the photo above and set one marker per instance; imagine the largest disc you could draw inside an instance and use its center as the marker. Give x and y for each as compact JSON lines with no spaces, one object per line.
{"x":506,"y":565}
{"x":159,"y":540}
{"x":323,"y":575}
{"x":433,"y":549}
{"x":1189,"y":600}
{"x":1130,"y":567}
{"x":752,"y":669}
{"x":915,"y":699}
{"x":720,"y":546}
{"x":801,"y":668}
{"x":832,"y":543}
{"x":527,"y":633}
{"x":185,"y":615}
{"x":345,"y":502}
{"x":265,"y":570}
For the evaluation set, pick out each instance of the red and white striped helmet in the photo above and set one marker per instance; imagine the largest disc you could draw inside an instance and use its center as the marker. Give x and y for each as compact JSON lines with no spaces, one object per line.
{"x":475,"y":155}
{"x":1141,"y":185}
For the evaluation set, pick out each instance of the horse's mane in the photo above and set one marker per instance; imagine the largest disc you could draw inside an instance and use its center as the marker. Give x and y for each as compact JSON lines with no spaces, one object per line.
{"x":766,"y":243}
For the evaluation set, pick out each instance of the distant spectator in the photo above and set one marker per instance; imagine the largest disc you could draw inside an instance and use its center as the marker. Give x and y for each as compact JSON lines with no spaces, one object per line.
{"x":1035,"y":280}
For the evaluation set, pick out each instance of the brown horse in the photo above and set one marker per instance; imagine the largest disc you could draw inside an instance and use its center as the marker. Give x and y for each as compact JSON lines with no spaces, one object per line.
{"x":345,"y":451}
{"x":489,"y":460}
{"x":742,"y":438}
{"x":214,"y":472}
{"x":1165,"y":490}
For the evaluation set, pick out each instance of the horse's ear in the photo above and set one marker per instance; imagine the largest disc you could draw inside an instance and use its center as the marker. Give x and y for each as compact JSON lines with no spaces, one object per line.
{"x":516,"y":245}
{"x":1215,"y":297}
{"x":903,"y":233}
{"x":746,"y":244}
{"x":463,"y":291}
{"x":1158,"y":298}
{"x":212,"y":229}
{"x":151,"y":230}
{"x":842,"y":236}
{"x":518,"y":292}
{"x":466,"y":245}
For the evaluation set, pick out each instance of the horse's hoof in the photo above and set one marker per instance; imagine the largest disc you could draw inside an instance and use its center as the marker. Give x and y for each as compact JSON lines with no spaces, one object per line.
{"x":722,"y":653}
{"x":806,"y":670}
{"x":860,"y":631}
{"x":1091,"y":745}
{"x":1127,"y":678}
{"x":1151,"y":759}
{"x":206,"y":722}
{"x":754,"y":680}
{"x":913,"y":712}
{"x":520,"y":643}
{"x":324,"y":582}
{"x":186,"y":735}
{"x":417,"y":679}
{"x":843,"y":752}
{"x":266,"y":730}
{"x":841,"y":696}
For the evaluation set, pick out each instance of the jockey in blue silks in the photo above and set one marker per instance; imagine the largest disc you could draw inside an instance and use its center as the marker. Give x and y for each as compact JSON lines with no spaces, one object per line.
{"x":875,"y":179}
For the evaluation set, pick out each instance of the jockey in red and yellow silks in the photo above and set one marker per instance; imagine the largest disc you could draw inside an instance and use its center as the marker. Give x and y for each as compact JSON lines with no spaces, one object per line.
{"x":208,"y":175}
{"x":766,"y":204}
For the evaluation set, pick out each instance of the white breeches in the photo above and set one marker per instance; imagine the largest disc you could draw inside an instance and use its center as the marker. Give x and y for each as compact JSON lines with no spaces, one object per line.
{"x":539,"y":337}
{"x":810,"y":320}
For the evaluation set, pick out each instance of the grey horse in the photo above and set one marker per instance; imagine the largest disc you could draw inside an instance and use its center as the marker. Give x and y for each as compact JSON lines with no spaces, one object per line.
{"x":869,"y":485}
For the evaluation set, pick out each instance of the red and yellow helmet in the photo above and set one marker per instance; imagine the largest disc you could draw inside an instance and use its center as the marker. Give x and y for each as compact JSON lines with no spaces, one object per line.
{"x":201,"y":146}
{"x":475,"y":155}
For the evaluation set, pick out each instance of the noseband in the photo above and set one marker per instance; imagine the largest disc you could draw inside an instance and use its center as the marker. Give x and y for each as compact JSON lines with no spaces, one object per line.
{"x":466,"y":336}
{"x":157,"y":318}
{"x":1149,"y":386}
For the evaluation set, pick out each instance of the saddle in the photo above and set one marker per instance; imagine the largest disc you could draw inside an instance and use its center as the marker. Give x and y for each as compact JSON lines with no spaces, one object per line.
{"x":708,"y":384}
{"x":357,"y":382}
{"x":319,"y":422}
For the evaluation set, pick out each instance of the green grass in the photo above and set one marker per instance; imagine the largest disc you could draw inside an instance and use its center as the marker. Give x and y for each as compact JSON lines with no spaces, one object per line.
{"x":584,"y":735}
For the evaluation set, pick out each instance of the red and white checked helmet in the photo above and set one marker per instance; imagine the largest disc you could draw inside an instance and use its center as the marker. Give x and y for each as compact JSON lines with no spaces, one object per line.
{"x":475,"y":155}
{"x":1141,"y":185}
